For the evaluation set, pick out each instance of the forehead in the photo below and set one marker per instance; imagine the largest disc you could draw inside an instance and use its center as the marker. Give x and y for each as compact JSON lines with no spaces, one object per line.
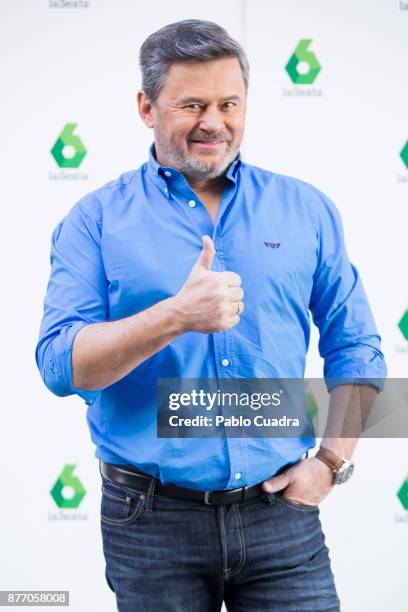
{"x":221,"y":77}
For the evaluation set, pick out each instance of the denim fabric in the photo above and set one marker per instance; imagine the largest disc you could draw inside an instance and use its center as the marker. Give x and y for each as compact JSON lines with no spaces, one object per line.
{"x":265,"y":553}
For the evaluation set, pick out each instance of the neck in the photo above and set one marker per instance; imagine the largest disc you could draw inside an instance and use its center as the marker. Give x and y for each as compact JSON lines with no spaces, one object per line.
{"x":214,"y":185}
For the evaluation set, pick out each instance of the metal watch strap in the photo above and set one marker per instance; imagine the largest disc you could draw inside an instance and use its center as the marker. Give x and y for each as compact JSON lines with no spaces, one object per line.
{"x":329,"y":458}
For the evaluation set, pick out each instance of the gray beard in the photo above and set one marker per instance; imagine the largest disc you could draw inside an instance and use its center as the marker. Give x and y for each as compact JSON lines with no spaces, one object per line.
{"x":194,"y":168}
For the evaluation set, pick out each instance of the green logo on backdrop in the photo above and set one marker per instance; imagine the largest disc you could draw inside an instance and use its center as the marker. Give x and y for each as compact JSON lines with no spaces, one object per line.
{"x":311,"y":400}
{"x":68,"y":150}
{"x":403,"y":325}
{"x":68,"y":490}
{"x":403,"y":494}
{"x":303,"y":66}
{"x":404,"y":154}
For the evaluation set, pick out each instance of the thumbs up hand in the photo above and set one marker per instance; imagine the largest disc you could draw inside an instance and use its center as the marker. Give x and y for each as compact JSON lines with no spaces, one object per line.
{"x":209,"y":301}
{"x":207,"y":254}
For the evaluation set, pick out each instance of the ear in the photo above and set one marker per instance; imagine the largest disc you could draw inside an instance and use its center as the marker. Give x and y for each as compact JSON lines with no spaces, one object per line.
{"x":145,"y":108}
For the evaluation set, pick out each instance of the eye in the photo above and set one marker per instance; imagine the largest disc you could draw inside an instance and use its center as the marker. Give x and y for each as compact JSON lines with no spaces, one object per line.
{"x":228,"y":105}
{"x":194,"y":106}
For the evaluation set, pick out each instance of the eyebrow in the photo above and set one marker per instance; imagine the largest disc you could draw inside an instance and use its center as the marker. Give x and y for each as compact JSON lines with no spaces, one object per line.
{"x":192,"y":99}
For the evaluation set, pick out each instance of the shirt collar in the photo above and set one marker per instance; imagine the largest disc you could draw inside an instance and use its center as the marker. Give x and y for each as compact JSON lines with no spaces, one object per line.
{"x":155,"y":169}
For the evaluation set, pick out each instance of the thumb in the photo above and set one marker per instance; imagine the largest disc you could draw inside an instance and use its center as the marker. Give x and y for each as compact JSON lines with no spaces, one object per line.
{"x":276,"y":484}
{"x":207,"y":254}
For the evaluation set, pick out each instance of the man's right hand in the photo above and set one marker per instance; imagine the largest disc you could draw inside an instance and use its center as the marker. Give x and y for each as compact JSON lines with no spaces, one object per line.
{"x":208,"y":301}
{"x":104,"y":352}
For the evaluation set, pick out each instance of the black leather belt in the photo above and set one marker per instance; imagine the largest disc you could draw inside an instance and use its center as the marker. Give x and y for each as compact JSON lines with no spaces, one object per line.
{"x":130,"y":477}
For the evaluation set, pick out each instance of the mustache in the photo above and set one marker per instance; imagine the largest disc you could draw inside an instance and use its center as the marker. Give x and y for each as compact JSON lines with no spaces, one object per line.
{"x":210,"y":137}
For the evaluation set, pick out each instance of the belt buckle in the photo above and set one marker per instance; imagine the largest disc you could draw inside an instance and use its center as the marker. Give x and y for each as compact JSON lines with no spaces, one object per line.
{"x":207,"y":498}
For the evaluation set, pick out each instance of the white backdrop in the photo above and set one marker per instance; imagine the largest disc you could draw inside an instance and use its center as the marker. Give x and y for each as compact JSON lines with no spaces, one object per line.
{"x":77,"y":62}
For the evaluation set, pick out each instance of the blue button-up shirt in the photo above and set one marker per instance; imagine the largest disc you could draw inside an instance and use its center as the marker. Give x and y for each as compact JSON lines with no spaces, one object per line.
{"x":133,"y":242}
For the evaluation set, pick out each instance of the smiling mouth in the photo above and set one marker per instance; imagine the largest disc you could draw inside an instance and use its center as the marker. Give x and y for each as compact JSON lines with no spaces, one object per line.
{"x":208,"y":143}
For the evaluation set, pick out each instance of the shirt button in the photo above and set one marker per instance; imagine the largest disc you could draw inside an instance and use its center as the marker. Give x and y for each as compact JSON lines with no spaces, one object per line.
{"x":192,"y":203}
{"x":238,"y":475}
{"x":225,"y":362}
{"x":166,"y":191}
{"x":167,"y":173}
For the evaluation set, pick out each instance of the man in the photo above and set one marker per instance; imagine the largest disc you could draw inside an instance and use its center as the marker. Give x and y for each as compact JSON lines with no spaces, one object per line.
{"x":149,"y":279}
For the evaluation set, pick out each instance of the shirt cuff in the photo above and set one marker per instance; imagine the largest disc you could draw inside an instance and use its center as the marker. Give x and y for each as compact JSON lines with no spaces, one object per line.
{"x":377,"y":383}
{"x":62,"y":352}
{"x":351,"y":370}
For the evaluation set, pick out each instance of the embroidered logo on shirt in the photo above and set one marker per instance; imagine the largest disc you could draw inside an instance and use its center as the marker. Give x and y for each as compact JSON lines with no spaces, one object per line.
{"x":272,"y":245}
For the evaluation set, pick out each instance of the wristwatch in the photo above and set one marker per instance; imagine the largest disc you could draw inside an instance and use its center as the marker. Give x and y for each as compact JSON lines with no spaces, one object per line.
{"x":342,"y":468}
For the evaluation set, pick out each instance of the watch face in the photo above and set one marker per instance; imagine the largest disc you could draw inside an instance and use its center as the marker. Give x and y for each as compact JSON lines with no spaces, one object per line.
{"x":344,"y":472}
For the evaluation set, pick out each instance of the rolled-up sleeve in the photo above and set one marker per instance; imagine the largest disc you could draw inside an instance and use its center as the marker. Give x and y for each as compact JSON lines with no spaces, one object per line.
{"x":349,"y":341}
{"x":76,"y":296}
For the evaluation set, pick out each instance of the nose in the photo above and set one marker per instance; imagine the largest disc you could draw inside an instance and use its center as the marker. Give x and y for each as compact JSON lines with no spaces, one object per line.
{"x":211,"y":120}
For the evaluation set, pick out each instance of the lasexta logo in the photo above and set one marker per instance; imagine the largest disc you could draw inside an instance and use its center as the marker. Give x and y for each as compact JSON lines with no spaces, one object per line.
{"x":68,"y":490}
{"x":68,"y":150}
{"x":403,"y":494}
{"x":404,"y":154}
{"x":403,"y":325}
{"x":311,"y":401}
{"x":303,"y":66}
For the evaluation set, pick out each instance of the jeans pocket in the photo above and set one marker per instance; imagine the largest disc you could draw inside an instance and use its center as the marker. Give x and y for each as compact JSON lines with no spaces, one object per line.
{"x":295,"y":505}
{"x":120,"y":505}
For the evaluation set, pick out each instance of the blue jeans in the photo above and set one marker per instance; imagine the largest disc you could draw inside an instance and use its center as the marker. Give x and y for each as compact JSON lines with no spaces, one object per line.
{"x":264,"y":553}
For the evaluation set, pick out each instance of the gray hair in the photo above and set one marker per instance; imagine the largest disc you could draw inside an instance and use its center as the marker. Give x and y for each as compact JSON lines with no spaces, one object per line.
{"x":191,"y":40}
